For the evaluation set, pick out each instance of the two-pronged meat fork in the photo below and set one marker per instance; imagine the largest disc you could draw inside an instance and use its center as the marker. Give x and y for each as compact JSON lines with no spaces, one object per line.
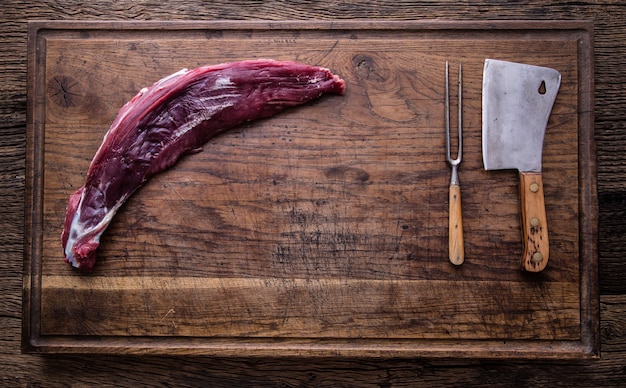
{"x":455,"y":231}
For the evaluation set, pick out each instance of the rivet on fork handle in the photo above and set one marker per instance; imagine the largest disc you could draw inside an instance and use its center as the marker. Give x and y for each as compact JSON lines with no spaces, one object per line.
{"x":455,"y":227}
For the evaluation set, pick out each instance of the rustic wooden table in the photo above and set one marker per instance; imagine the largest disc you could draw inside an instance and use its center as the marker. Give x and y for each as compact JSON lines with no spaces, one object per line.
{"x":18,"y":369}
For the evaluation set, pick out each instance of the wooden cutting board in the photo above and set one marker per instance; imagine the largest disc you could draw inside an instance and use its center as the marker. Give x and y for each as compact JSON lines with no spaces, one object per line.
{"x":321,"y":231}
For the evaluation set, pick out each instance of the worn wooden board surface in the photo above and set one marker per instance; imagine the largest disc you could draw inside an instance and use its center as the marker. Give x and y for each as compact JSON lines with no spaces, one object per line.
{"x":320,"y":231}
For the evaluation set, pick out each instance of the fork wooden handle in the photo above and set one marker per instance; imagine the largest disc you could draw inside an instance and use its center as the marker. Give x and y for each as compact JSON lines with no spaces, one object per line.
{"x":455,"y":231}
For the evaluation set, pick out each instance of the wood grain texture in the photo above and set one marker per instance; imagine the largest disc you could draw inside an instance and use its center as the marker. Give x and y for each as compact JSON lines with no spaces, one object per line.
{"x":610,"y":135}
{"x":327,"y":221}
{"x":193,"y":371}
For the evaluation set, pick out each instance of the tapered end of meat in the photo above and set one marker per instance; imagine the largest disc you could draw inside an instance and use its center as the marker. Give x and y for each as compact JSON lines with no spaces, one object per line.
{"x":83,"y":257}
{"x":339,"y":85}
{"x":328,"y":82}
{"x":79,"y":251}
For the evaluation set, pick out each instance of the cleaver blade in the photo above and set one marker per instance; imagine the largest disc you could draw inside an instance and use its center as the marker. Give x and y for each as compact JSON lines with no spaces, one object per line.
{"x":516,"y":102}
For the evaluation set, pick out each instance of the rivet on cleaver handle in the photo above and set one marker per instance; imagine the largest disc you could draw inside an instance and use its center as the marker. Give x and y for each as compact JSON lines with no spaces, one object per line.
{"x":517,"y":101}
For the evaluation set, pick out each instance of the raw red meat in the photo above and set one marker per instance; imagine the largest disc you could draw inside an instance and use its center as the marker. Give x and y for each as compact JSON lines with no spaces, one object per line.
{"x":177,"y":115}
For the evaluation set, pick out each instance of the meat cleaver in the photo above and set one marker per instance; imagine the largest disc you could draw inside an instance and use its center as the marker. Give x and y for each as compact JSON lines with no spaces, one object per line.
{"x":517,"y":101}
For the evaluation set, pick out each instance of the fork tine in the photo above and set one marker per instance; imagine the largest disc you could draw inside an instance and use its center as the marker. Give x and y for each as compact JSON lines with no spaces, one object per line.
{"x":458,"y":158}
{"x":447,"y":115}
{"x":460,"y":148}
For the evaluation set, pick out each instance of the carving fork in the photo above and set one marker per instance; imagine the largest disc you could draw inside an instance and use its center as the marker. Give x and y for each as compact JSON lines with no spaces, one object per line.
{"x":455,"y":226}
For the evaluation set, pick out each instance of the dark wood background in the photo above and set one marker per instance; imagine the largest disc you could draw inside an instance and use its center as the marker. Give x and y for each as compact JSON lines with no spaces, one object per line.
{"x":610,"y":126}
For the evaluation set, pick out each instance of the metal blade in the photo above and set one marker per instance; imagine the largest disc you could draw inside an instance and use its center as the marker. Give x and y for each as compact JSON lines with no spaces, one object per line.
{"x":517,"y":100}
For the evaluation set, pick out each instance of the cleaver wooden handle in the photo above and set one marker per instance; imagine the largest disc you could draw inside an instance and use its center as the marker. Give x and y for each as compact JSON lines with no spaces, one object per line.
{"x":534,"y":222}
{"x":455,"y":229}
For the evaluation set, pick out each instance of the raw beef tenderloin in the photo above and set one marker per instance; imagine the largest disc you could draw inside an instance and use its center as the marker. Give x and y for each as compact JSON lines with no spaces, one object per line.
{"x":175,"y":116}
